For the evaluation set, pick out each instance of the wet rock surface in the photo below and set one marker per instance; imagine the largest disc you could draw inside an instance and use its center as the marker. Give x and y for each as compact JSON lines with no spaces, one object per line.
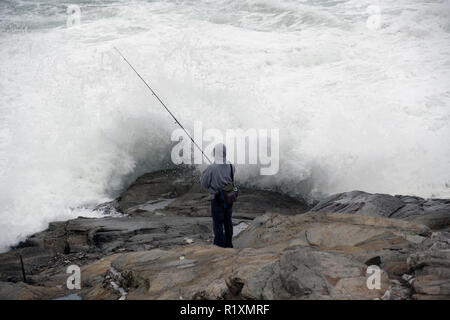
{"x":158,"y":246}
{"x":434,"y":213}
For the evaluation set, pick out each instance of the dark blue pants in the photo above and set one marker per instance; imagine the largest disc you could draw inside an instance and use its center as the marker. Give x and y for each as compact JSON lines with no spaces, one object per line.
{"x":222,"y":222}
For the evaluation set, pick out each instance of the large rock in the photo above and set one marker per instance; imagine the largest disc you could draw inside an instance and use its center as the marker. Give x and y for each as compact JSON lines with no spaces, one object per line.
{"x":81,"y":240}
{"x":330,"y":230}
{"x":251,"y":203}
{"x":23,"y":291}
{"x":434,"y":213}
{"x":163,"y":184}
{"x":360,"y":202}
{"x":306,"y":273}
{"x":32,"y":257}
{"x":431,"y":268}
{"x":208,"y":272}
{"x":110,"y":234}
{"x":178,"y":192}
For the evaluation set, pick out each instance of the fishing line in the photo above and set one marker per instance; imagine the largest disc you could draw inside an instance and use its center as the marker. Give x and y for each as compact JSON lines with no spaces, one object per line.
{"x":163,"y":104}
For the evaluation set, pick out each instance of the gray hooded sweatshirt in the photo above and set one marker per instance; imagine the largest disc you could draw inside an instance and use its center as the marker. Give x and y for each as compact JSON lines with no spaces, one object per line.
{"x":218,"y":174}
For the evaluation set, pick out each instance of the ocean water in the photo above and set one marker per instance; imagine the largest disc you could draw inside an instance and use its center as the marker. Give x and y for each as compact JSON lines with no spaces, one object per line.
{"x":360,"y":91}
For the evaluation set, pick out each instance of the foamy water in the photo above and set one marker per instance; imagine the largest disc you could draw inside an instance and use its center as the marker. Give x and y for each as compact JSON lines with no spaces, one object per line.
{"x":357,"y":108}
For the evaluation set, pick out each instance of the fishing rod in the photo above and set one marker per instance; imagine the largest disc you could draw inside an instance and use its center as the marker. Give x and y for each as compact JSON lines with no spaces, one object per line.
{"x":163,"y":104}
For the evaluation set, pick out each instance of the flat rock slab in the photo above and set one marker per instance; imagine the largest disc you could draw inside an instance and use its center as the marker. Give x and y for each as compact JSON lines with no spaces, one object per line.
{"x":328,"y":230}
{"x":121,"y":233}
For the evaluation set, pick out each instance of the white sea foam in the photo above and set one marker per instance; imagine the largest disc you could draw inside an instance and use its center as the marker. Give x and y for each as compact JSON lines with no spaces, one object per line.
{"x":357,"y":108}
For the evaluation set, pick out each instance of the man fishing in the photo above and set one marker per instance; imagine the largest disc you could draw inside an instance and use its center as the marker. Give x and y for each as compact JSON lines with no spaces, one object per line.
{"x":218,"y":179}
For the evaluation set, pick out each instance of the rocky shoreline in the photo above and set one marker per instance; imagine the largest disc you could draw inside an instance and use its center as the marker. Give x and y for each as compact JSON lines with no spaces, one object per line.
{"x":157,"y":245}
